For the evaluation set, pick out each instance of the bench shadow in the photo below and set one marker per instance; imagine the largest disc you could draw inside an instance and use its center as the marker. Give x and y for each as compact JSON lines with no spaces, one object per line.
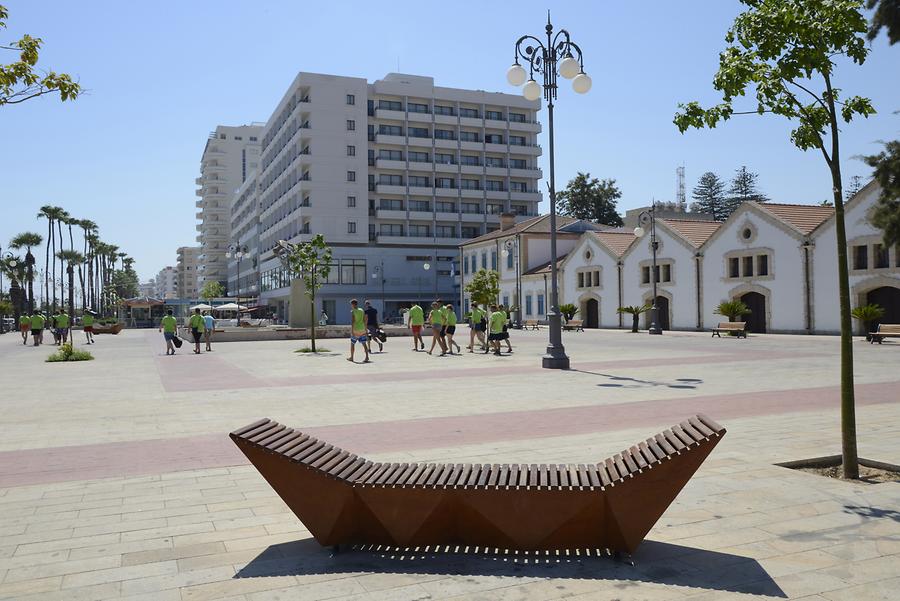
{"x":654,"y":562}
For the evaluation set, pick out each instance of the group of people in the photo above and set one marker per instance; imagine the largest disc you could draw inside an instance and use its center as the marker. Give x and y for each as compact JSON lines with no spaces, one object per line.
{"x":202,"y":327}
{"x":59,"y":324}
{"x":364,"y":330}
{"x":442,"y":319}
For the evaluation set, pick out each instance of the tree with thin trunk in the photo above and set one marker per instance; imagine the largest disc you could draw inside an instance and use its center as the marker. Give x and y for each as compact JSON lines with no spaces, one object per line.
{"x":47,"y":212}
{"x":71,"y":258}
{"x":28,"y":240}
{"x":312,"y":262}
{"x":743,"y":189}
{"x":784,"y":52}
{"x":709,"y":196}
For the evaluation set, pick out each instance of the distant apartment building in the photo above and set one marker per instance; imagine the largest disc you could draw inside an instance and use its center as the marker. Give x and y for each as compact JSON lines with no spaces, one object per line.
{"x":166,"y":283}
{"x":187,"y":284}
{"x":147,"y":289}
{"x":230,"y":154}
{"x":395,"y":174}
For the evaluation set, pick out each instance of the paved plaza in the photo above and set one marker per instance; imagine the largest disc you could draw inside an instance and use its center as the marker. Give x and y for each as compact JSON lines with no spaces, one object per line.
{"x":118,"y":480}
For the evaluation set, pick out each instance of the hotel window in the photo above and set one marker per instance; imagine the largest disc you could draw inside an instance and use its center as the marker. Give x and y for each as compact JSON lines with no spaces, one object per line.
{"x":493,"y":139}
{"x":734,"y":267}
{"x":470,"y":232}
{"x":748,"y":267}
{"x":253,"y":138}
{"x":468,"y":136}
{"x":506,"y":301}
{"x":351,"y":201}
{"x":470,"y":113}
{"x":422,"y":231}
{"x":540,"y":304}
{"x":353,"y":271}
{"x":444,"y":134}
{"x":445,"y":207}
{"x":762,"y":265}
{"x":390,"y":155}
{"x":518,"y":187}
{"x":334,"y":275}
{"x":493,"y":162}
{"x":470,"y":184}
{"x":418,"y":181}
{"x":351,"y":227}
{"x":390,"y":130}
{"x":416,"y":107}
{"x":390,"y":204}
{"x":351,"y":99}
{"x":390,"y":105}
{"x":518,"y":164}
{"x":351,"y":151}
{"x":440,"y":109}
{"x":471,"y":160}
{"x":390,"y":229}
{"x":517,"y":117}
{"x":880,"y":256}
{"x":493,"y":115}
{"x":419,"y":157}
{"x":444,"y":182}
{"x":509,"y":260}
{"x":517,"y":140}
{"x":390,"y":180}
{"x":445,"y":231}
{"x":419,"y":205}
{"x":528,"y":305}
{"x":861,"y":257}
{"x":471,"y":207}
{"x":494,"y":209}
{"x":351,"y":176}
{"x":351,"y":125}
{"x":444,"y":158}
{"x":495,"y":185}
{"x":418,"y":132}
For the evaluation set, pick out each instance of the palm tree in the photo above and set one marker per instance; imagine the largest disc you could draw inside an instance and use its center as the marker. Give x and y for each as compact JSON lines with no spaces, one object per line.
{"x":91,"y":241}
{"x":61,"y":218}
{"x":72,"y":258}
{"x":635,"y":312}
{"x":86,"y":226}
{"x":47,"y":212}
{"x":28,"y":240}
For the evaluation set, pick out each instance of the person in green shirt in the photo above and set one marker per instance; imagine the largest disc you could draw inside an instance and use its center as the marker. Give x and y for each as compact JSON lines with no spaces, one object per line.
{"x":198,"y":327}
{"x":169,"y":327}
{"x":62,"y":326}
{"x":505,"y":310}
{"x":87,"y":320}
{"x":438,"y":320}
{"x":496,"y":322}
{"x":416,"y":321}
{"x":37,"y":328}
{"x":358,"y":330}
{"x":476,"y":327}
{"x":53,"y":329}
{"x":24,"y":326}
{"x":450,"y":318}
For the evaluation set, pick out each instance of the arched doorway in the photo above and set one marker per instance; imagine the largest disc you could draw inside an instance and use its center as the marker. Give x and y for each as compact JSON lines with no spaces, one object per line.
{"x":888,"y":298}
{"x":592,"y":313}
{"x":662,"y":303}
{"x":756,"y":320}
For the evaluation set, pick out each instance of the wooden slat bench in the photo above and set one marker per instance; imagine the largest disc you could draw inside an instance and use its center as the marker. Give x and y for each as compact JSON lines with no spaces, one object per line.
{"x":738,"y":327}
{"x":576,"y":325}
{"x":532,"y":324}
{"x":343,"y":498}
{"x":885,"y":330}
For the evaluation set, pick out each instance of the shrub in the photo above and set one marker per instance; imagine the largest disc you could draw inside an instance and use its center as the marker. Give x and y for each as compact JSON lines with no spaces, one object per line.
{"x":732,"y":309}
{"x":635,"y":312}
{"x":568,"y":310}
{"x":868,"y":314}
{"x":67,"y":353}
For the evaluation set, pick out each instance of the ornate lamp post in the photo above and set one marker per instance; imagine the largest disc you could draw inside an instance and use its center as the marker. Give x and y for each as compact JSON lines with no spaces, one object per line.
{"x":512,"y":246}
{"x":10,"y":260}
{"x":559,"y":56}
{"x":237,"y":251}
{"x":426,"y":266}
{"x":379,"y":272}
{"x":648,"y":219}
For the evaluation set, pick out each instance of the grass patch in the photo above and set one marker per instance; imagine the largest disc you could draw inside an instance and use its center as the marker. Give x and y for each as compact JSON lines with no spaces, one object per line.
{"x":67,"y":353}
{"x":306,"y":349}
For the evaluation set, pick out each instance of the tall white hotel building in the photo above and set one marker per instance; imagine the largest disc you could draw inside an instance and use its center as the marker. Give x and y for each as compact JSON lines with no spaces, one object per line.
{"x":395,"y":174}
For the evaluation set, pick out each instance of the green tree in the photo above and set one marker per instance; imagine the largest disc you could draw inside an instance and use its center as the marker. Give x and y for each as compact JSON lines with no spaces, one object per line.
{"x":71,"y":258}
{"x":887,"y":15}
{"x":867,"y":315}
{"x":125,"y":283}
{"x":212,"y":290}
{"x":484,"y":287}
{"x":709,"y":195}
{"x":854,"y":187}
{"x":886,"y":216}
{"x":784,"y":51}
{"x":28,"y":240}
{"x":635,"y":312}
{"x":591,"y":199}
{"x":732,"y":309}
{"x":21,"y":81}
{"x":743,"y":188}
{"x":312,"y":262}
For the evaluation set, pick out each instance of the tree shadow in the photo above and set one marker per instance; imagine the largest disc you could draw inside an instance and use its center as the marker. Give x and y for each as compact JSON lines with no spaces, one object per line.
{"x":654,"y":562}
{"x":873,"y":512}
{"x":680,"y":383}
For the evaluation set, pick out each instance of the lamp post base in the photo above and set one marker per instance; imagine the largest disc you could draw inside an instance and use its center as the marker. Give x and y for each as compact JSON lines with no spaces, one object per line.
{"x":654,"y":321}
{"x":548,"y":361}
{"x":556,"y":357}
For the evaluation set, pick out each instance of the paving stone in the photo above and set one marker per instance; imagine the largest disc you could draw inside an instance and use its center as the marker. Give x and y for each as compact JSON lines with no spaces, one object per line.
{"x":119,"y":574}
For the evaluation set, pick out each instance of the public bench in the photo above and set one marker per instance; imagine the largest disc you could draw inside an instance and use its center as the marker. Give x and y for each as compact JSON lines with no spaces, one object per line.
{"x":343,"y":498}
{"x":532,"y":324}
{"x":738,"y":327}
{"x":885,"y":330}
{"x":576,"y":325}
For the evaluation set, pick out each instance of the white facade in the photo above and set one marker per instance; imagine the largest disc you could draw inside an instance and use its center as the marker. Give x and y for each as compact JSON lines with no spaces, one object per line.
{"x":166,"y":283}
{"x":187,"y":271}
{"x":230,"y":154}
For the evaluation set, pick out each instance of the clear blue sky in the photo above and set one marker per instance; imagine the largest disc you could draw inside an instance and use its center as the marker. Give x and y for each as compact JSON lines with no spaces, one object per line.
{"x":162,"y":75}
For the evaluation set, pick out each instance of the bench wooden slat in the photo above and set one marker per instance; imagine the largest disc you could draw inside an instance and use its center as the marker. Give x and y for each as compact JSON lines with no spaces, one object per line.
{"x":667,"y":448}
{"x":683,"y":436}
{"x":612,"y":470}
{"x":513,"y":475}
{"x":265,"y":432}
{"x":638,"y":457}
{"x":374,"y":475}
{"x":593,"y":476}
{"x":424,"y":475}
{"x":603,"y":473}
{"x":545,"y":475}
{"x":495,"y":474}
{"x":310,"y":446}
{"x":268,"y":425}
{"x":574,"y":477}
{"x":553,"y":473}
{"x":694,"y":433}
{"x":286,"y":443}
{"x":335,"y":460}
{"x":701,"y":427}
{"x":356,"y":471}
{"x":674,"y":440}
{"x":319,"y":454}
{"x":326,"y":458}
{"x":435,"y":474}
{"x":620,"y":465}
{"x":563,"y":471}
{"x":342,"y":468}
{"x":411,"y":475}
{"x":524,"y":473}
{"x":240,"y":432}
{"x":709,"y":423}
{"x":268,"y":441}
{"x":485,"y":474}
{"x":472,"y":480}
{"x":629,"y":460}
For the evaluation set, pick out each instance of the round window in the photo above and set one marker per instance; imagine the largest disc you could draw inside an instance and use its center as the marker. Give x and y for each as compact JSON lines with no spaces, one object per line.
{"x":747,"y":233}
{"x":587,"y":255}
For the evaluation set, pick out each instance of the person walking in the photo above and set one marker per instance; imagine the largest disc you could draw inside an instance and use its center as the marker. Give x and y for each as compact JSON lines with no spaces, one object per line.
{"x":416,"y":321}
{"x":209,"y":326}
{"x":37,"y":328}
{"x":505,"y":310}
{"x":357,"y":330}
{"x":169,"y":327}
{"x":198,"y":326}
{"x":477,"y":324}
{"x":437,"y":318}
{"x":62,"y":326}
{"x":24,"y":326}
{"x":496,"y":321}
{"x":372,"y":326}
{"x":87,"y":320}
{"x":53,"y":329}
{"x":450,"y":319}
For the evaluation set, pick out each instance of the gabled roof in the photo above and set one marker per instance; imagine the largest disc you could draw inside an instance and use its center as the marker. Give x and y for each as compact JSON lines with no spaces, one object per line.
{"x":803,"y":218}
{"x":616,"y":241}
{"x":537,"y":225}
{"x":695,"y":231}
{"x":545,"y":268}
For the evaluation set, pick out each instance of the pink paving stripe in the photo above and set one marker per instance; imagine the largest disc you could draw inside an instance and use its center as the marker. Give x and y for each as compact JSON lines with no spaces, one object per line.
{"x":59,"y":464}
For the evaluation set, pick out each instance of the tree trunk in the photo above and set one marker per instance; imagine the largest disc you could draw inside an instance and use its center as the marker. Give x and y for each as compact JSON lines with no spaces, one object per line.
{"x":312,"y":340}
{"x":71,"y":272}
{"x":634,"y":322}
{"x":47,"y":261}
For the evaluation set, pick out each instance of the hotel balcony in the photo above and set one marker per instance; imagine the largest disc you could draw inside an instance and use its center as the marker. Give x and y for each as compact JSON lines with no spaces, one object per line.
{"x":389,"y":114}
{"x":444,"y":167}
{"x":500,"y":148}
{"x":389,"y":164}
{"x":496,"y":171}
{"x":392,"y":214}
{"x":416,"y":117}
{"x":445,"y":119}
{"x":472,"y":146}
{"x":450,"y":217}
{"x":472,"y":217}
{"x":533,"y":196}
{"x":469,"y":193}
{"x":417,"y":141}
{"x":496,"y":194}
{"x":421,"y":216}
{"x":471,"y":121}
{"x":445,"y":144}
{"x":388,"y":139}
{"x":472,"y":169}
{"x":527,"y":126}
{"x":446,"y":192}
{"x":390,"y":189}
{"x":533,"y":173}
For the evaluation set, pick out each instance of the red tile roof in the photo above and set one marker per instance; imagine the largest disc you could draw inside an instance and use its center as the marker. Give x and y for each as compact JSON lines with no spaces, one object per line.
{"x":695,"y":231}
{"x":545,"y":268}
{"x":804,"y":218}
{"x":618,"y":242}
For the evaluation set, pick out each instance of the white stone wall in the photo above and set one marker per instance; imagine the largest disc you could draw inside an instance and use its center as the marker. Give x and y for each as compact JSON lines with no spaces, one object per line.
{"x":590,"y":255}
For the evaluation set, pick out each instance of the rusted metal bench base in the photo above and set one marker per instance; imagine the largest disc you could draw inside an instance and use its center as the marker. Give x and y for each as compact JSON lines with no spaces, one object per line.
{"x":344,"y":499}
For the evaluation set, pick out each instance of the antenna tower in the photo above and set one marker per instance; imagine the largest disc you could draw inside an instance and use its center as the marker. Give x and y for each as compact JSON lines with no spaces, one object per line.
{"x":679,"y":189}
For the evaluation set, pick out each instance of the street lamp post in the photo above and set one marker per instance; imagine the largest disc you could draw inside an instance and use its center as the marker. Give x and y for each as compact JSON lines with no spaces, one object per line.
{"x":512,"y":246}
{"x":645,"y":219}
{"x":237,"y":251}
{"x":426,"y":266}
{"x":379,"y":271}
{"x":559,"y":56}
{"x":10,"y":260}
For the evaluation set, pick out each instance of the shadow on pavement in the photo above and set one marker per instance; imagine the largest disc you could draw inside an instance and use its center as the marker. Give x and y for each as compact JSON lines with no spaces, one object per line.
{"x":681,"y":383}
{"x":654,"y":562}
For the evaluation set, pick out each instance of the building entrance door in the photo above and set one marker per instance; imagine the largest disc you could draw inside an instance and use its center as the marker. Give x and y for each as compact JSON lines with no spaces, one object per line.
{"x":888,"y":298}
{"x":592,"y":308}
{"x":662,"y":303}
{"x":756,"y":321}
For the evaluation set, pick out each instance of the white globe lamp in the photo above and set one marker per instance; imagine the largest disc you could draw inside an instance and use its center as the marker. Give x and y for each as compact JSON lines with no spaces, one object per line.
{"x":532,"y":90}
{"x":569,"y":67}
{"x":638,"y":232}
{"x":516,"y":75}
{"x":582,"y":83}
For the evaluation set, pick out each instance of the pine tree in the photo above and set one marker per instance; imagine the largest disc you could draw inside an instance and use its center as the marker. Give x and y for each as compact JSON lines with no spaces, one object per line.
{"x":853,"y":188}
{"x":743,"y":189}
{"x":710,"y":196}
